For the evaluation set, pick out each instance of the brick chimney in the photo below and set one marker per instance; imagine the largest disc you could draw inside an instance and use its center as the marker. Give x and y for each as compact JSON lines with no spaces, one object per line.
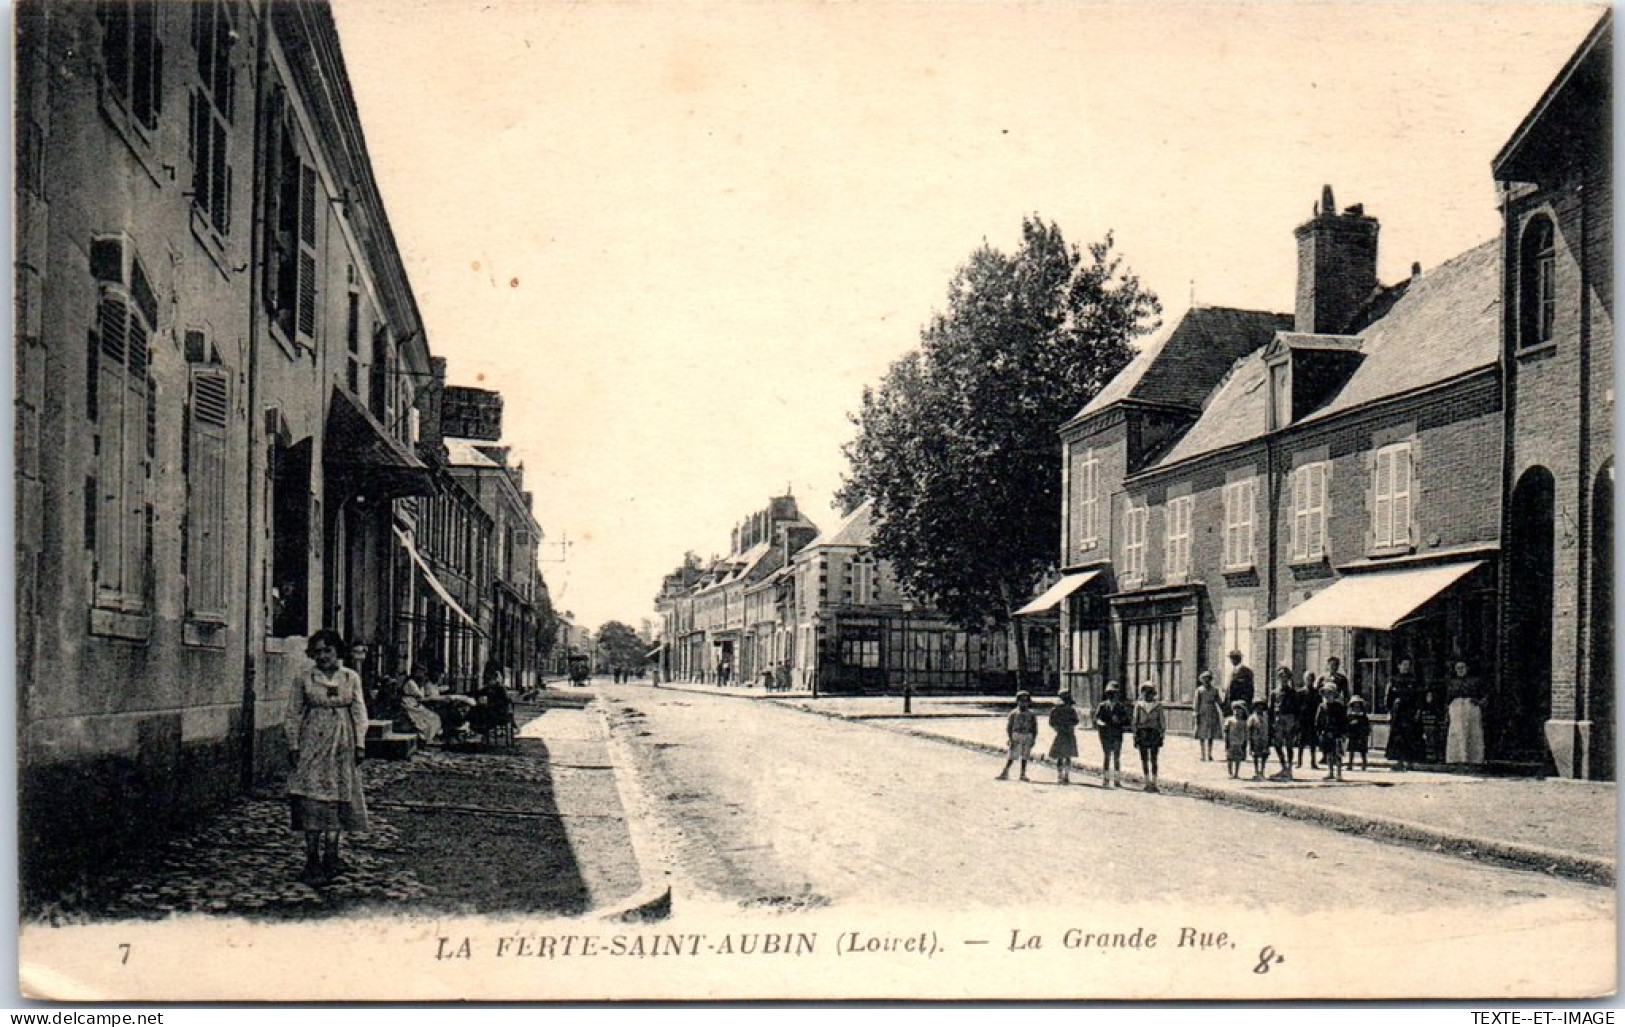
{"x":1337,"y":266}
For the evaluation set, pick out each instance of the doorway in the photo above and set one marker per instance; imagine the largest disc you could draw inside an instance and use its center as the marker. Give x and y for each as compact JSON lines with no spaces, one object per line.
{"x":1529,"y":618}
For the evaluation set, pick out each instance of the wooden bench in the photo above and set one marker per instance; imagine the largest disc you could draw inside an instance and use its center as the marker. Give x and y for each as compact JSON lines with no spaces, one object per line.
{"x":385,"y":743}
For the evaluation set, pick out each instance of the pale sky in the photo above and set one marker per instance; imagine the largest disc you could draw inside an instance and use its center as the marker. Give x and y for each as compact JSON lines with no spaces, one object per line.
{"x":680,"y":237}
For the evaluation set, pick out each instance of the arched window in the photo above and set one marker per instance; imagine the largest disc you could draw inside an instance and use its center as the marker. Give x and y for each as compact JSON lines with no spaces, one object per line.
{"x":1537,"y":270}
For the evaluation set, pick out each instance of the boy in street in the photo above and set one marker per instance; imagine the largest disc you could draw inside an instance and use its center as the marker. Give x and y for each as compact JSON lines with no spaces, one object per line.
{"x":1258,"y":738}
{"x":1021,"y":728}
{"x":1235,"y":738}
{"x":1359,"y":732}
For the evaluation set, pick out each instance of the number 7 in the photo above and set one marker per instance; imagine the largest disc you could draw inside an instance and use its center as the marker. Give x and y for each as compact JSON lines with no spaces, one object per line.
{"x":126,"y":947}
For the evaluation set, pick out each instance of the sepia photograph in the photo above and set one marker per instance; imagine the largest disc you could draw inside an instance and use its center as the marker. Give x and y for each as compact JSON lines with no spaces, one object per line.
{"x":809,"y":501}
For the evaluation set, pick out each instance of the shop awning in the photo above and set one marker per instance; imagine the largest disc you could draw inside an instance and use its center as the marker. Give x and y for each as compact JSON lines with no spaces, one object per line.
{"x":1377,"y":599}
{"x":1055,"y":593}
{"x":360,"y":450}
{"x":652,"y":653}
{"x":434,"y":582}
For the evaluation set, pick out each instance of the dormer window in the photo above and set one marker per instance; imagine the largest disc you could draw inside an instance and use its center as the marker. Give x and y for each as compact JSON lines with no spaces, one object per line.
{"x":1537,"y":271}
{"x":1280,"y":395}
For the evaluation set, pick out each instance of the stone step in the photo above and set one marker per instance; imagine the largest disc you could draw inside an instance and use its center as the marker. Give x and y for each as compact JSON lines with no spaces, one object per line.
{"x":379,"y":728}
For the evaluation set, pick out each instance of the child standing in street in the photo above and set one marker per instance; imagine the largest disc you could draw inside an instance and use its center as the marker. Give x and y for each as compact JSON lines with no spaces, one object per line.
{"x":1150,"y":724}
{"x":1258,"y":738}
{"x":1021,"y":729}
{"x":326,"y":725}
{"x":1359,"y":732}
{"x":1331,"y":728}
{"x":1235,"y":738}
{"x":1111,"y":720}
{"x":1063,"y":720}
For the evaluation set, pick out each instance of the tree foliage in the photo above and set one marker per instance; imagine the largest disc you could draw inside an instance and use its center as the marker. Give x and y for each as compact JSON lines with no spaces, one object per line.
{"x":957,"y":446}
{"x":547,"y":620}
{"x":619,"y":646}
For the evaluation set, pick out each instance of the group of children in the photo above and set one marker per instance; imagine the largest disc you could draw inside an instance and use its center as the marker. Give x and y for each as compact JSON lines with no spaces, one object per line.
{"x":1339,"y":731}
{"x":1336,"y":729}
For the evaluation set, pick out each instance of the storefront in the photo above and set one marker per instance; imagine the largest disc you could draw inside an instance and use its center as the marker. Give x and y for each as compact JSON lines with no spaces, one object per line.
{"x":1159,"y":642}
{"x":1376,"y":620}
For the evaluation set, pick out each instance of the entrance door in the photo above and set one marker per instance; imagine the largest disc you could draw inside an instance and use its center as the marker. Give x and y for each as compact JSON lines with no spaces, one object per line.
{"x":1600,"y":693}
{"x":1529,"y":617}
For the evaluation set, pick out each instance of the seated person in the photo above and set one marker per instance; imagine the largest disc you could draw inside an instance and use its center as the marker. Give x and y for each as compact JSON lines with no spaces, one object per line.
{"x":495,"y":706}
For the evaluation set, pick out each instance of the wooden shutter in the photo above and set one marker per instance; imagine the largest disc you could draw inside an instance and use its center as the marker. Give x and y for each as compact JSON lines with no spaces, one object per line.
{"x":113,"y":331}
{"x":307,"y":252}
{"x":1382,"y":518}
{"x":1401,"y":504}
{"x":206,"y":493}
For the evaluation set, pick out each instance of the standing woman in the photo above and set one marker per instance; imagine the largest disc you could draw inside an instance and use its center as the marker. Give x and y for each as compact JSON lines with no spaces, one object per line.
{"x":326,"y":724}
{"x":1464,"y":742}
{"x":1208,"y":714}
{"x":1063,"y":720}
{"x":1150,"y":724}
{"x":1404,"y":701}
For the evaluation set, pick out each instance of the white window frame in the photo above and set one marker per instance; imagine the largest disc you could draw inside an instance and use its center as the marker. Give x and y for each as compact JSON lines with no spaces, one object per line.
{"x":1240,"y":497}
{"x":1393,"y":507}
{"x":1177,"y":555}
{"x":1135,"y":519}
{"x":1309,"y":488}
{"x":1238,"y":628}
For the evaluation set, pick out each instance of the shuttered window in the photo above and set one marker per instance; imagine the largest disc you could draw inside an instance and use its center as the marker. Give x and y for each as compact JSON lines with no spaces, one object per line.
{"x":1177,"y":555}
{"x":1134,"y":524}
{"x":1309,"y":512}
{"x":120,"y":410}
{"x":133,"y":58}
{"x":1391,"y":507}
{"x":209,"y":412}
{"x":291,"y":244}
{"x":1238,"y":524}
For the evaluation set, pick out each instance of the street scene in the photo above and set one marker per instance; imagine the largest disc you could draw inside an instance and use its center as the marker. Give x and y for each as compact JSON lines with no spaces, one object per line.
{"x":674,"y":549}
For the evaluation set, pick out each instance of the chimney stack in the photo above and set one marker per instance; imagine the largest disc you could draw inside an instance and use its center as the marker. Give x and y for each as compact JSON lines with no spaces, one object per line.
{"x":1337,"y":266}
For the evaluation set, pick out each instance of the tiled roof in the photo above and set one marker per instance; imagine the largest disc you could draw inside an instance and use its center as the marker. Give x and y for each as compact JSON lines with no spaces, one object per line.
{"x":856,"y":529}
{"x":1446,"y":324}
{"x":1180,"y":366}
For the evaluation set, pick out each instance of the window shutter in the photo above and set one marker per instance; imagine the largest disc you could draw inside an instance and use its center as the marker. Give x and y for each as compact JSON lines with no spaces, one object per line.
{"x":307,"y":252}
{"x":137,"y":407}
{"x":1402,"y":496}
{"x":1382,"y":518}
{"x":206,"y":492}
{"x":113,"y":319}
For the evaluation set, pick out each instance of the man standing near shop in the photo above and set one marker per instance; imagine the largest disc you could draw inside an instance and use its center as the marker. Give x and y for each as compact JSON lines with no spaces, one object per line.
{"x":1336,"y":678}
{"x":1241,"y":683}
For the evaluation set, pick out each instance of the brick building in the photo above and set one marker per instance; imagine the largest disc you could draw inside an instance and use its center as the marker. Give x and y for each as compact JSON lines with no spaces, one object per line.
{"x":1298,"y":488}
{"x":1557,"y":332}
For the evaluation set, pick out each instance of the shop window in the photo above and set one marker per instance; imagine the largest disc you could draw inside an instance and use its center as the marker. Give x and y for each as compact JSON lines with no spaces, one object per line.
{"x":1537,"y":283}
{"x":1151,"y":654}
{"x":119,"y":406}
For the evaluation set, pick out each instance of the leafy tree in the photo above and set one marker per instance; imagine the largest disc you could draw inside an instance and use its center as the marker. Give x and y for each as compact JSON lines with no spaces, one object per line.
{"x":547,"y":622}
{"x":619,"y":646}
{"x":957,"y":447}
